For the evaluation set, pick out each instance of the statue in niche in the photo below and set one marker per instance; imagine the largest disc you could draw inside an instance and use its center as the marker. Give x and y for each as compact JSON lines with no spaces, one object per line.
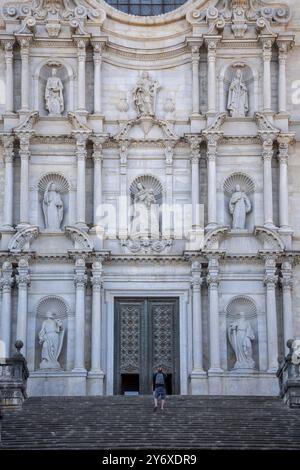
{"x":52,"y":207}
{"x":144,"y":95}
{"x":239,"y":207}
{"x":146,"y":217}
{"x":54,"y":95}
{"x":51,"y":337}
{"x":238,"y":105}
{"x":144,"y":195}
{"x":240,"y":334}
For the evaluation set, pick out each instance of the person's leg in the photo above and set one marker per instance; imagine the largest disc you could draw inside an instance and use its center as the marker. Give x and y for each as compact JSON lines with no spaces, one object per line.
{"x":162,"y":403}
{"x":155,"y":401}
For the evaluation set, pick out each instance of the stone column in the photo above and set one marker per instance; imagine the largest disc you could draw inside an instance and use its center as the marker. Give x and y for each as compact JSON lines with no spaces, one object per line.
{"x":287,"y":285}
{"x":9,"y":76}
{"x":196,"y":283}
{"x":211,"y":76}
{"x":195,"y":141}
{"x":212,"y":141}
{"x":6,"y":284}
{"x":25,"y":86}
{"x":23,"y":281}
{"x":98,"y":142}
{"x":80,"y":279}
{"x":168,"y":216}
{"x":96,"y":317}
{"x":272,"y":335}
{"x":282,"y":55}
{"x":196,"y":82}
{"x":123,"y":206}
{"x":81,"y":58}
{"x":24,"y":179}
{"x":283,"y":141}
{"x":81,"y":154}
{"x":8,"y":143}
{"x":97,"y":57}
{"x":268,"y":189}
{"x":214,"y":327}
{"x":267,"y":56}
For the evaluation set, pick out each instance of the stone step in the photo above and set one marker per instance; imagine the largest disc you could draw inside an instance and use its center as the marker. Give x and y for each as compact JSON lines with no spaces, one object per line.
{"x":129,"y":422}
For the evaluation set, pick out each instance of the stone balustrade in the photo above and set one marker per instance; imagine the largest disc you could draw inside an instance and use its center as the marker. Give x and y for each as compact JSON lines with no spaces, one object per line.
{"x":13,"y":380}
{"x":289,"y":375}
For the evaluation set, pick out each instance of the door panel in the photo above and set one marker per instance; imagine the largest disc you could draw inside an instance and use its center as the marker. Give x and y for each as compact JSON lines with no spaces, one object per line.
{"x":146,"y":335}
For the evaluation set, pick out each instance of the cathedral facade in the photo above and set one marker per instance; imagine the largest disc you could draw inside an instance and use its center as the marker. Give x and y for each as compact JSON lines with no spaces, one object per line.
{"x":149,"y":191}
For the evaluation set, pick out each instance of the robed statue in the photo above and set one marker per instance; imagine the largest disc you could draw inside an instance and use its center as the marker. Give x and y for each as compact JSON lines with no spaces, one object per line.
{"x":52,"y":207}
{"x":144,"y":195}
{"x":238,"y":105}
{"x":144,"y":95}
{"x":146,"y":215}
{"x":51,"y":338}
{"x":239,"y":207}
{"x":241,"y":335}
{"x":54,"y":95}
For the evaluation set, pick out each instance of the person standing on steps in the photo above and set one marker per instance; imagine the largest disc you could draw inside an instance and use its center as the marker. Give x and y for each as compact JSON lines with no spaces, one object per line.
{"x":159,"y":387}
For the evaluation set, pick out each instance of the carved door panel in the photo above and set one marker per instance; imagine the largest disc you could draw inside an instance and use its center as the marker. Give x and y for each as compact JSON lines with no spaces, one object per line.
{"x":146,"y":335}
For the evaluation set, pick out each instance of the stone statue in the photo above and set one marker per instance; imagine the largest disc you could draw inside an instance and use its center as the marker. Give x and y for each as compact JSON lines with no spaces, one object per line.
{"x":146,"y":196}
{"x":51,"y":337}
{"x":54,"y":95}
{"x":238,"y":105}
{"x":239,"y":207}
{"x":144,"y":95}
{"x":52,"y":207}
{"x":146,"y":221}
{"x":240,"y":334}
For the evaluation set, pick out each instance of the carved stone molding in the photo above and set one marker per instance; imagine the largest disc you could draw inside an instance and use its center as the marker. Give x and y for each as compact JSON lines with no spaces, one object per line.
{"x":53,"y":303}
{"x":79,"y":238}
{"x":146,"y":245}
{"x":270,"y":240}
{"x":163,"y":125}
{"x":22,"y":239}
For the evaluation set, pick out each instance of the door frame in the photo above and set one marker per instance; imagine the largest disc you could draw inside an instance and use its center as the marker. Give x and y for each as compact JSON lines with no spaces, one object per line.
{"x":185,"y":330}
{"x":146,"y":343}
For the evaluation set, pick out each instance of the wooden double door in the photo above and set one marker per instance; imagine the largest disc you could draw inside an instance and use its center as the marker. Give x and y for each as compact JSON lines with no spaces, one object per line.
{"x":146,"y":335}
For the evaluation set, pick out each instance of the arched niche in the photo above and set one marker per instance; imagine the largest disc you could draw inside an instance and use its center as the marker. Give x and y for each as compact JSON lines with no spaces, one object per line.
{"x":43,"y":72}
{"x":249,"y":77}
{"x":236,"y":308}
{"x":142,"y":188}
{"x":247,"y":186}
{"x":62,"y":187}
{"x":61,"y":311}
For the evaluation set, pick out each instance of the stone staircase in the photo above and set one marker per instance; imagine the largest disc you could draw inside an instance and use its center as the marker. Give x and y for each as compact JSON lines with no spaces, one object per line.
{"x":130,"y":423}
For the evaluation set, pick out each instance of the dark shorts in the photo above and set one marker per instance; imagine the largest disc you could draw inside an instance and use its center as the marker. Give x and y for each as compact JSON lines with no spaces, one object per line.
{"x":160,"y":392}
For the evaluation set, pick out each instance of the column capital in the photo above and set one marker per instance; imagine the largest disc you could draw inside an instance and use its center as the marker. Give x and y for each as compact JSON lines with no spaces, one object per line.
{"x":96,"y":279}
{"x":123,"y":151}
{"x":98,"y":142}
{"x":284,"y":45}
{"x":212,"y":277}
{"x":24,"y":42}
{"x":81,"y":44}
{"x":98,"y":45}
{"x":268,"y":151}
{"x":81,"y":139}
{"x":7,"y":280}
{"x":212,"y":45}
{"x":80,"y":277}
{"x":194,"y":141}
{"x":23,"y":277}
{"x":271,"y":277}
{"x":284,"y":140}
{"x":8,"y":46}
{"x":24,"y":139}
{"x":212,"y":140}
{"x":169,"y":151}
{"x":8,"y":143}
{"x":267,"y":43}
{"x":196,"y":278}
